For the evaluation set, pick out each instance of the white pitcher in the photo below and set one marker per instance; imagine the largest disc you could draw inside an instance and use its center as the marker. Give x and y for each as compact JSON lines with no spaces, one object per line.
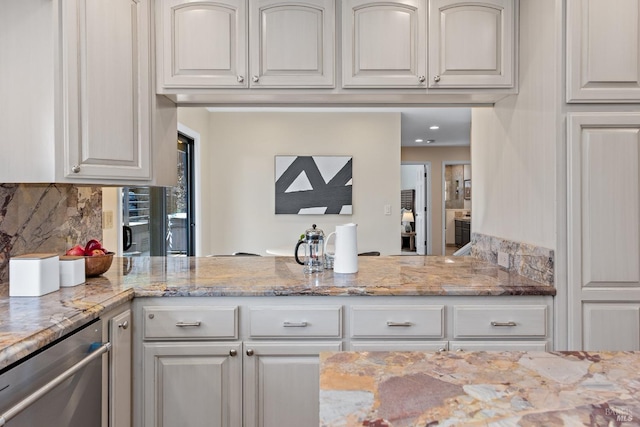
{"x":345,"y":257}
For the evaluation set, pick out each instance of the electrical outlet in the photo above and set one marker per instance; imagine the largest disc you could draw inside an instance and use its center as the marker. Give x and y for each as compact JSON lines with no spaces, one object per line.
{"x":503,"y":259}
{"x":387,"y":209}
{"x":107,"y":220}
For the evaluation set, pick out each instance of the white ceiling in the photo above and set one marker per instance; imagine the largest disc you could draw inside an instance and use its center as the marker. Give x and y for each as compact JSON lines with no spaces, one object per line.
{"x":454,"y":122}
{"x":454,"y":126}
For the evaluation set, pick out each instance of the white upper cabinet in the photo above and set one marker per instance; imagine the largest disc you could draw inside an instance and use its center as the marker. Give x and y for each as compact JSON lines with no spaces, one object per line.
{"x":105,"y":88}
{"x":292,"y":43}
{"x":471,"y":44}
{"x":202,"y":44}
{"x":383,"y":43}
{"x":77,"y":97}
{"x":207,"y":44}
{"x":603,"y":51}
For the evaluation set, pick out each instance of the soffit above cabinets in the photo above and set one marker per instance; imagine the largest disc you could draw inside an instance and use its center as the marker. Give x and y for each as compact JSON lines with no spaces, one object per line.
{"x":454,"y":123}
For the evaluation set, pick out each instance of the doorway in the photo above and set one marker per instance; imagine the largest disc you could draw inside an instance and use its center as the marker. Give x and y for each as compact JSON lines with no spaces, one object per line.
{"x":456,"y":190}
{"x":160,"y":221}
{"x":416,"y":201}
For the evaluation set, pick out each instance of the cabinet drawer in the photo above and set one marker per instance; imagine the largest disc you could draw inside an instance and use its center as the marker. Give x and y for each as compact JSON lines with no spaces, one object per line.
{"x":498,"y":346}
{"x":500,"y":321}
{"x":282,"y":322}
{"x":417,"y":321}
{"x":190,"y":322}
{"x":393,"y":345}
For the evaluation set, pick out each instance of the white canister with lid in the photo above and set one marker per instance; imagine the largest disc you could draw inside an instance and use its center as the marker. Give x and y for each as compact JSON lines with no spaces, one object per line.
{"x":71,"y":270}
{"x":34,"y":275}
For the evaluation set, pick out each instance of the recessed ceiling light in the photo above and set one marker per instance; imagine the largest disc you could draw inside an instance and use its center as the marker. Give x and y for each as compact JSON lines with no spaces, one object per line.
{"x":429,"y":141}
{"x":418,"y":140}
{"x":434,"y":127}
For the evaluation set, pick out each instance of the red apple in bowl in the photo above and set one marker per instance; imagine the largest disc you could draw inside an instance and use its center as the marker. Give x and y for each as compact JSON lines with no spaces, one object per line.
{"x":91,"y":245}
{"x":77,"y":250}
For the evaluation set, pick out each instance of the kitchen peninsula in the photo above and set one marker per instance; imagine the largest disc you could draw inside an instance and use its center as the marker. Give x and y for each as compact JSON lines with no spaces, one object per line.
{"x":259,"y":324}
{"x":27,"y":324}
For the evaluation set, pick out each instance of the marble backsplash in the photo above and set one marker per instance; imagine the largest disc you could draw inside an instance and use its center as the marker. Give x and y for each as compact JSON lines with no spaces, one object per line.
{"x":46,"y":218}
{"x":533,"y":262}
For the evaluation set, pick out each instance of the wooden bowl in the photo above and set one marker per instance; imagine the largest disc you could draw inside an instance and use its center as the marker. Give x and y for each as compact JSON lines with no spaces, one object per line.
{"x":96,"y":265}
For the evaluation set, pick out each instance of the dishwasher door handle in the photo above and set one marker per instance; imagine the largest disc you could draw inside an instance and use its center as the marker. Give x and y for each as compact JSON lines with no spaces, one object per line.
{"x":33,"y":397}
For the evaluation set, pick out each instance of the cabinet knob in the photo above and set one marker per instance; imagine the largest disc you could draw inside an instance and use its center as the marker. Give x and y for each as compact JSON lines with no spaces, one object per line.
{"x":442,"y":350}
{"x":233,"y":352}
{"x":422,"y":79}
{"x":459,"y":350}
{"x":240,"y":79}
{"x":255,"y":79}
{"x":124,"y":325}
{"x":75,"y":169}
{"x":436,"y":79}
{"x":249,"y":352}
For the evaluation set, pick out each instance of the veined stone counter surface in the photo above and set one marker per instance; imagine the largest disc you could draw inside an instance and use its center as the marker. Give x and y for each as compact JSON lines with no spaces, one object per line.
{"x":402,"y":389}
{"x":29,"y":323}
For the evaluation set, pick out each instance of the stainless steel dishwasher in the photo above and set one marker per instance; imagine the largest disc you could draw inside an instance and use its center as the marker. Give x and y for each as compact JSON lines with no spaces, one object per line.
{"x":60,"y":386}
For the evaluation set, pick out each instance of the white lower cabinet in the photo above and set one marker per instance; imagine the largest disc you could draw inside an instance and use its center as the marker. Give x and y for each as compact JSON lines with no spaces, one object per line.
{"x":282,"y":383}
{"x":120,"y":372}
{"x":253,"y":361}
{"x":391,"y":345}
{"x":611,"y":326}
{"x":192,"y":384}
{"x":117,"y":384}
{"x":498,"y":346}
{"x":603,"y":150}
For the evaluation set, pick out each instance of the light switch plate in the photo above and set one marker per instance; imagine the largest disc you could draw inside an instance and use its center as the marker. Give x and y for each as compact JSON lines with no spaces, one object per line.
{"x":503,"y":259}
{"x":107,"y":220}
{"x":387,"y":209}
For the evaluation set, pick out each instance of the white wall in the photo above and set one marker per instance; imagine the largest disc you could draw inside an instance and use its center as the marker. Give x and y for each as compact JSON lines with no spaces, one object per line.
{"x":237,"y":176}
{"x":112,"y":237}
{"x":514,"y":144}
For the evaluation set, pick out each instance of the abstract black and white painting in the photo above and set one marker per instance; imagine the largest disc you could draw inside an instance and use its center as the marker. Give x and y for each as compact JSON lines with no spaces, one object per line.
{"x":314,"y":185}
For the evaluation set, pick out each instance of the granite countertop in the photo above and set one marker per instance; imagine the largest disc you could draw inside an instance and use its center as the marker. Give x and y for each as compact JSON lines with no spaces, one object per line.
{"x":29,"y":323}
{"x":398,"y":389}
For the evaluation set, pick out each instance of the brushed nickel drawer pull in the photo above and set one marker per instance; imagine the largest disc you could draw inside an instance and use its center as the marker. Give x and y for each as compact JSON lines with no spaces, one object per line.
{"x":295,"y":324}
{"x":405,"y":324}
{"x":187,"y":324}
{"x":510,"y":323}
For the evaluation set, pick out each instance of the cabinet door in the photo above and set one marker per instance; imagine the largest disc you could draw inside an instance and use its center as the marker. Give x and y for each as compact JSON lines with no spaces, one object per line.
{"x":383,"y":43}
{"x":603,"y":250}
{"x":471,"y":43}
{"x":603,"y":51}
{"x":613,"y":326}
{"x":192,"y":384}
{"x":201,"y":44}
{"x":292,"y":44}
{"x":106,"y":99}
{"x":120,"y":370}
{"x":282,"y":383}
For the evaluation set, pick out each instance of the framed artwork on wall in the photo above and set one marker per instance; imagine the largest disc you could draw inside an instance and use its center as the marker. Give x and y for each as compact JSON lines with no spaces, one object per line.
{"x":467,"y":189}
{"x":313,"y":185}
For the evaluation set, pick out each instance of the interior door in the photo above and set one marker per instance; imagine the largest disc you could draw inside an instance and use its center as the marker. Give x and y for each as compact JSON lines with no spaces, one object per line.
{"x":421,"y":211}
